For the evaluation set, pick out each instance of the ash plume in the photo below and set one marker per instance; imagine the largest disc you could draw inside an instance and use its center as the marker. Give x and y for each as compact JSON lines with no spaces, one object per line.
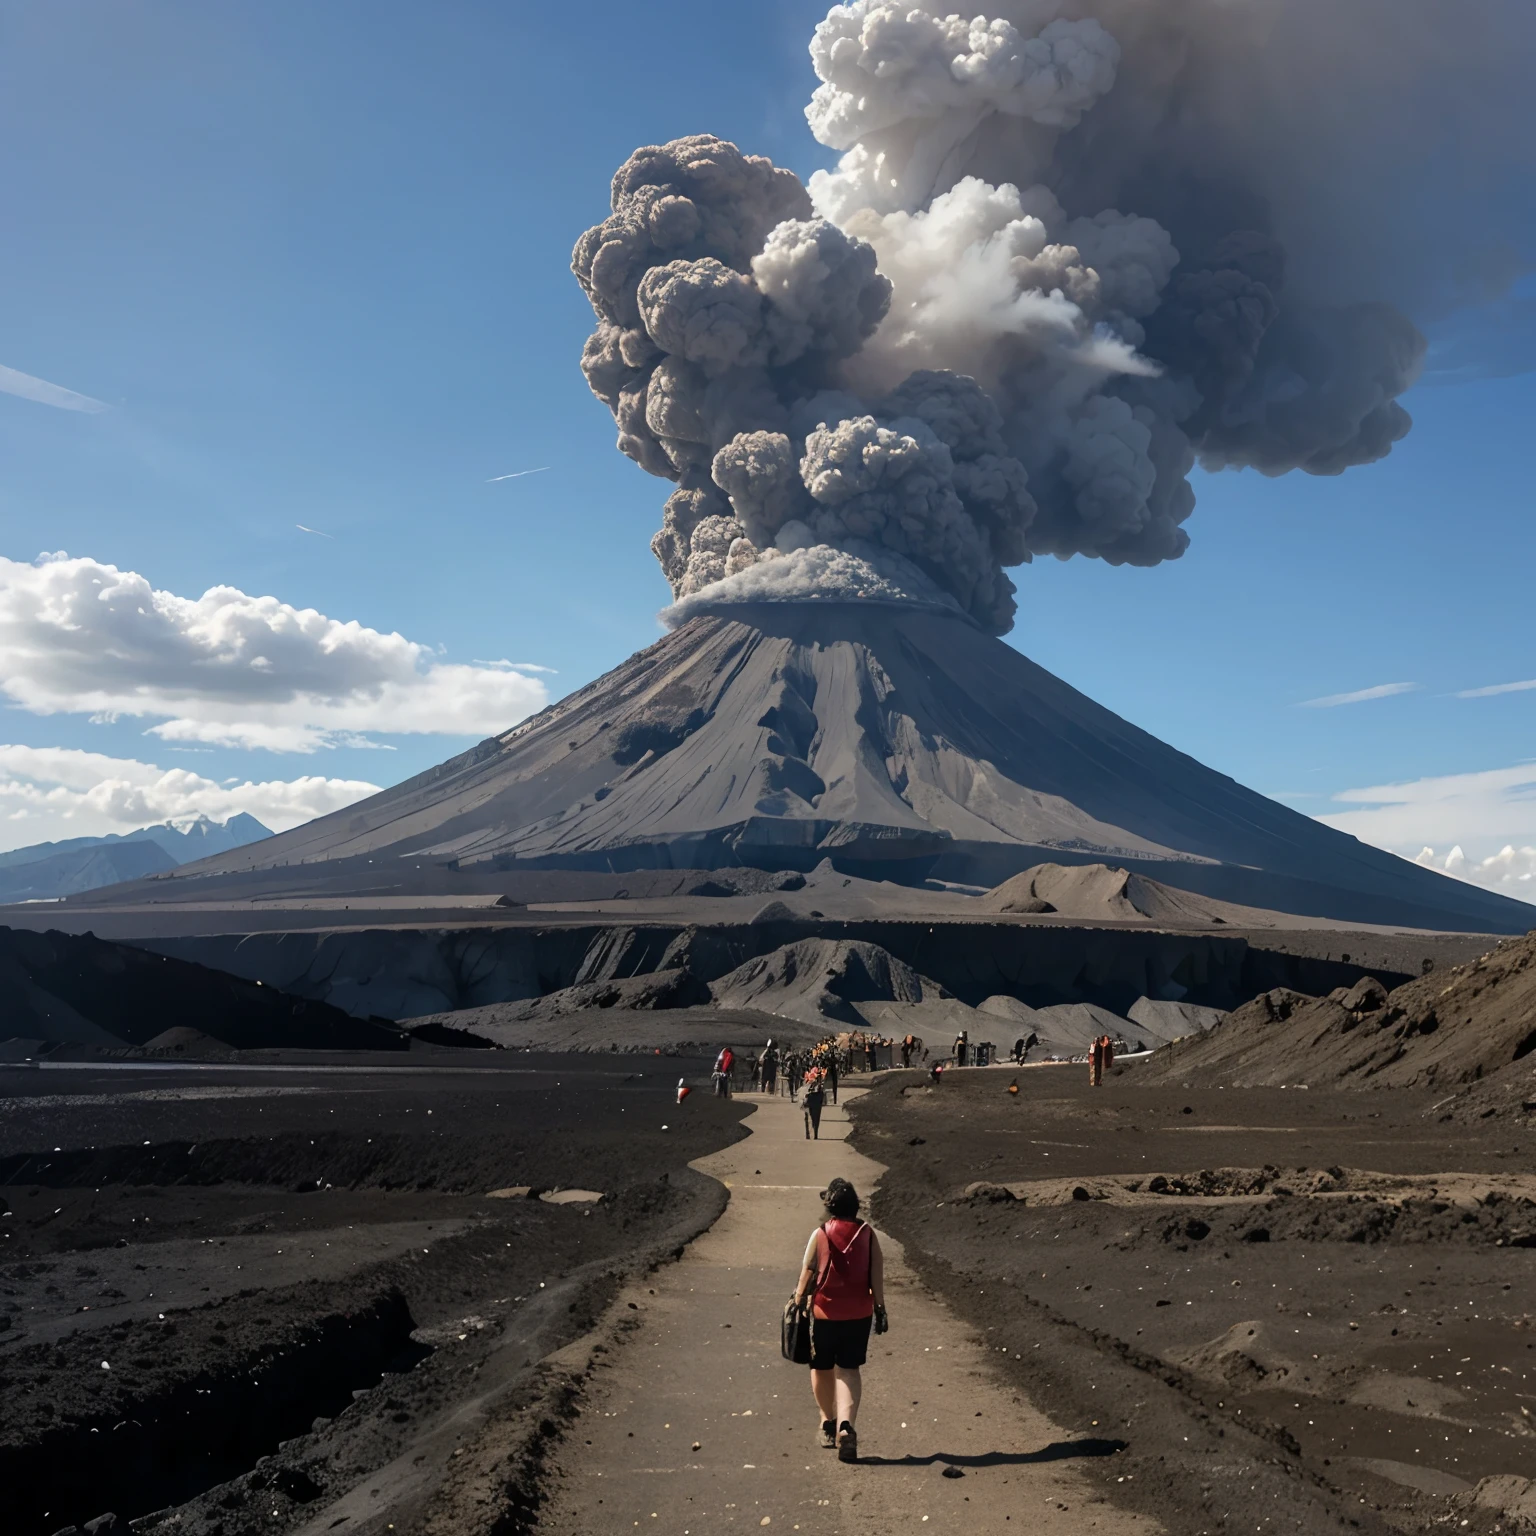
{"x":1071,"y":248}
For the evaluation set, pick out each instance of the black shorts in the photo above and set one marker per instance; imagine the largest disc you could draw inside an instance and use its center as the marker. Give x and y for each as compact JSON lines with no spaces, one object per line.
{"x":843,"y":1342}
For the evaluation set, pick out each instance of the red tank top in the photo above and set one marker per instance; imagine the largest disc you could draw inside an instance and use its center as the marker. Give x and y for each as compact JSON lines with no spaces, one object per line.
{"x":842,"y":1272}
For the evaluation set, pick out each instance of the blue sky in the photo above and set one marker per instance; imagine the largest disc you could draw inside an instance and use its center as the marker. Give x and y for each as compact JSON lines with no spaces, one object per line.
{"x":313,"y":262}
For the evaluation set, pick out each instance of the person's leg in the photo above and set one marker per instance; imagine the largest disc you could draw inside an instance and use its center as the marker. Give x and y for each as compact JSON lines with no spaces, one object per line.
{"x":824,"y":1390}
{"x":849,"y":1386}
{"x":815,"y":1114}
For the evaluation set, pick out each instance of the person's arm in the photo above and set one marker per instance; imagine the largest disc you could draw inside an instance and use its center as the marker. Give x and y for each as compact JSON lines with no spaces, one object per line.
{"x":807,"y":1272}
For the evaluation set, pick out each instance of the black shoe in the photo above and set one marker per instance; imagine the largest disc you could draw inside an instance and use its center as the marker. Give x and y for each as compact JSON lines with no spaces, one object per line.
{"x":828,"y":1435}
{"x":847,"y":1442}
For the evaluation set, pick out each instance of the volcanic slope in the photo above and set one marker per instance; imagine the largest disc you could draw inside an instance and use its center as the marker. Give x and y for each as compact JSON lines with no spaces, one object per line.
{"x":1473,"y":1025}
{"x":76,"y":988}
{"x":902,"y":743}
{"x":1101,"y":893}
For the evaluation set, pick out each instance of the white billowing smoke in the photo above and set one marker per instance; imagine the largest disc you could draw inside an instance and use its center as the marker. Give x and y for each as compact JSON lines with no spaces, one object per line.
{"x":904,"y":87}
{"x":1069,"y":250}
{"x":1511,"y":871}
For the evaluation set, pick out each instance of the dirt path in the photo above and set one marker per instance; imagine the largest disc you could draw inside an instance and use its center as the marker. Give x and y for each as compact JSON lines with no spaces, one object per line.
{"x":698,"y":1426}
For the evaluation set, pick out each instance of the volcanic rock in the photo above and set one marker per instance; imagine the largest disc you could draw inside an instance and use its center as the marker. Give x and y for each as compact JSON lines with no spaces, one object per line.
{"x":1104,"y":893}
{"x":819,"y":980}
{"x":1068,"y":1029}
{"x":1012,"y":1010}
{"x":1511,"y":1496}
{"x":1162,"y":1022}
{"x":1476,"y":1021}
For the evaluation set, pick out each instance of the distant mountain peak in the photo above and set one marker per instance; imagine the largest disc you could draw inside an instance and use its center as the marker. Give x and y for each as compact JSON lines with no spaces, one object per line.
{"x":46,"y":871}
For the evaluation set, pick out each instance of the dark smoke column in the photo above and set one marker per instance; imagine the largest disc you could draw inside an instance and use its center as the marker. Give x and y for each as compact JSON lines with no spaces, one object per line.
{"x":724,"y":310}
{"x":1068,"y":252}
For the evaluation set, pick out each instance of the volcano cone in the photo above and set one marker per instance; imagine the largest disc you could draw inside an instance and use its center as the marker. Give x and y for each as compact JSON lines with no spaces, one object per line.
{"x":901,"y":743}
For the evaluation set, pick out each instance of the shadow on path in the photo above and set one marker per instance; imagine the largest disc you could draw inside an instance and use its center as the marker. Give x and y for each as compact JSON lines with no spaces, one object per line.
{"x":1058,"y":1450}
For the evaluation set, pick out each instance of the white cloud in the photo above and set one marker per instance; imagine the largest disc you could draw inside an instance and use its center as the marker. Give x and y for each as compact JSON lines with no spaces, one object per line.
{"x":1497,"y":688}
{"x":47,"y":793}
{"x":1360,"y":696}
{"x":1494,"y":807}
{"x":1491,"y":810}
{"x":13,"y":382}
{"x":1511,"y":871}
{"x":229,"y":669}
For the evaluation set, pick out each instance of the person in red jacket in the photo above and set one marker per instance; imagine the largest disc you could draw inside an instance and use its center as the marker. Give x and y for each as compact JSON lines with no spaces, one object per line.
{"x":843,"y":1273}
{"x":723,"y":1064}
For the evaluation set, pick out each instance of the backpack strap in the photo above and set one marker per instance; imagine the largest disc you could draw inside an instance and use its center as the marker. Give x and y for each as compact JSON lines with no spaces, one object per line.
{"x":823,"y":1272}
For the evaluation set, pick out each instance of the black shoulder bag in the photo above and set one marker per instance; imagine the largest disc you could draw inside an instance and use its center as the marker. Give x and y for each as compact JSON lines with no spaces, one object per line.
{"x":795,"y":1329}
{"x":795,"y":1334}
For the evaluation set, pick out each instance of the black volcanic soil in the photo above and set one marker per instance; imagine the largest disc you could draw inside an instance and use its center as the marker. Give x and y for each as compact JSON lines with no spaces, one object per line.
{"x":1321,"y":1321}
{"x":250,"y":1284}
{"x":78,"y":988}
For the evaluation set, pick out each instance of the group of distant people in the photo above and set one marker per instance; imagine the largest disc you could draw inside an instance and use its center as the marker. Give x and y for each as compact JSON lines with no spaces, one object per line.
{"x":778,"y":1069}
{"x":810,"y":1075}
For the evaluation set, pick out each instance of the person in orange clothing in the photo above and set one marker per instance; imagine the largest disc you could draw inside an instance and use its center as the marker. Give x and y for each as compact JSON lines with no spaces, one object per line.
{"x":1096,"y":1062}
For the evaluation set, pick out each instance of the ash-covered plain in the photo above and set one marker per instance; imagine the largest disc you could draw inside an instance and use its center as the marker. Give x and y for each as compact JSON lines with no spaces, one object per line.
{"x":1309,"y":1298}
{"x":238,"y":1293}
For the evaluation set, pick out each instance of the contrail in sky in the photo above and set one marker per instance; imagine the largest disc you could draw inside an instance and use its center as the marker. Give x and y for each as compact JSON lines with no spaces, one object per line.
{"x":1360,"y":696}
{"x":13,"y":382}
{"x":517,"y":474}
{"x":319,"y":532}
{"x":1497,"y":688}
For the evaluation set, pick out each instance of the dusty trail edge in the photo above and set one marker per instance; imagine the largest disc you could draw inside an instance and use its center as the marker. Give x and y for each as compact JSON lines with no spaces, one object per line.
{"x":677,"y":1414}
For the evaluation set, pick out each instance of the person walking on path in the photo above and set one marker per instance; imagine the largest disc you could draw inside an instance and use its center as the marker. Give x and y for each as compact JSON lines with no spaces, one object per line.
{"x":770,"y":1067}
{"x":831,"y":1072}
{"x":815,"y":1099}
{"x":843,"y":1273}
{"x":722,"y":1074}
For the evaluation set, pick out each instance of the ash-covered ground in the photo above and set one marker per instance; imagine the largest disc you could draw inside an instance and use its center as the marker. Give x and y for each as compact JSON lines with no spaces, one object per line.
{"x":244,"y":1288}
{"x":1302,"y":1310}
